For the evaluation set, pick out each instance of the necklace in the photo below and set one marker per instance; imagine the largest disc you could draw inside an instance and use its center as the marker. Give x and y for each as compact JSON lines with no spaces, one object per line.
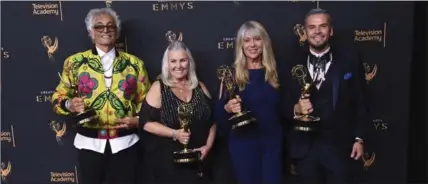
{"x":180,"y":89}
{"x":105,"y":76}
{"x":180,"y":86}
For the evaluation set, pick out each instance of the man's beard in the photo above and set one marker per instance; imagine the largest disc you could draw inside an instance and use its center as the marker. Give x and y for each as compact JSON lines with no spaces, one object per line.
{"x":320,"y":47}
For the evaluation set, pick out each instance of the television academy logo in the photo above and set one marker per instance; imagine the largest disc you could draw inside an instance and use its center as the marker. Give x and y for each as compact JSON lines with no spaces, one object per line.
{"x":63,"y":177}
{"x":59,"y":130}
{"x":371,"y":35}
{"x":48,"y":8}
{"x":8,"y":136}
{"x":370,"y":71}
{"x":51,"y":46}
{"x":301,"y":33}
{"x":368,"y":159}
{"x":5,"y":170}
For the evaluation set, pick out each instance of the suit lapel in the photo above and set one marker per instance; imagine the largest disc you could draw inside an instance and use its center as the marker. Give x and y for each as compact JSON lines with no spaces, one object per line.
{"x":335,"y":78}
{"x":304,"y":62}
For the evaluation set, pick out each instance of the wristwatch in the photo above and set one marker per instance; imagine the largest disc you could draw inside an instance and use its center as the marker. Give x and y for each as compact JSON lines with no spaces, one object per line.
{"x":359,"y":140}
{"x":174,"y":135}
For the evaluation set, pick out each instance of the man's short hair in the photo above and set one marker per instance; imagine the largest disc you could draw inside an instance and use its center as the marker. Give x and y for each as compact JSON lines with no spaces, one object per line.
{"x":318,"y":11}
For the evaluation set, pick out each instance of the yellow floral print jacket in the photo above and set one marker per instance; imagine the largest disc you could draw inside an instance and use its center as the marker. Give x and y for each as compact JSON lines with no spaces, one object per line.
{"x":129,"y":86}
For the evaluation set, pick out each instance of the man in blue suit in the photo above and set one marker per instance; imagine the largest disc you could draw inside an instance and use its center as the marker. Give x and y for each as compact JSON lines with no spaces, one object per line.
{"x":336,"y":97}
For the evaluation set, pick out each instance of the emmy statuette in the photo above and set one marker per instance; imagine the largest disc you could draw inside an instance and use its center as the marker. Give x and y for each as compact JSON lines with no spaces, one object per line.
{"x":305,"y":123}
{"x":244,"y":117}
{"x":186,"y":155}
{"x":88,"y":114}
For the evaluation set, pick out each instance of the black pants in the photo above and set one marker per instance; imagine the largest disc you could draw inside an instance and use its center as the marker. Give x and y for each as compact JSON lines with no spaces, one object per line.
{"x":118,"y":168}
{"x":222,"y":172}
{"x":326,"y":163}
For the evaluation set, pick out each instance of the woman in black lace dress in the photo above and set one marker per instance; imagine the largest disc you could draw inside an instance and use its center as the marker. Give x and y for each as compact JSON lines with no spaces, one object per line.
{"x":162,"y":134}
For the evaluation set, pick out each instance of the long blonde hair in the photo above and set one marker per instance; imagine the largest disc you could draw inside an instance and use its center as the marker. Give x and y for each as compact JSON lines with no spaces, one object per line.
{"x":268,"y":57}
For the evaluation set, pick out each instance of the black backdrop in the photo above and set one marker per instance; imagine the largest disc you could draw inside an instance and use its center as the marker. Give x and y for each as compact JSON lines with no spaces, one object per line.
{"x":35,"y":151}
{"x":417,"y":163}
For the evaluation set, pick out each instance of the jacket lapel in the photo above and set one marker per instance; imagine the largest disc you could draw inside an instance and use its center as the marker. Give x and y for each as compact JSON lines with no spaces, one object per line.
{"x":335,"y":78}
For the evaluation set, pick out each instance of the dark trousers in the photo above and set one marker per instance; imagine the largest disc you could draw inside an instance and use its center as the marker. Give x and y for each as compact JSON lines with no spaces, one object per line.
{"x":325,"y":163}
{"x":222,"y":168}
{"x":97,"y":168}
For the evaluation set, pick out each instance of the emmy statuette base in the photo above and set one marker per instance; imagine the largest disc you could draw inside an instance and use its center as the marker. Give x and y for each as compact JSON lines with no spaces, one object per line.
{"x":187,"y":156}
{"x":86,"y":116}
{"x":306,"y":123}
{"x":241,"y":119}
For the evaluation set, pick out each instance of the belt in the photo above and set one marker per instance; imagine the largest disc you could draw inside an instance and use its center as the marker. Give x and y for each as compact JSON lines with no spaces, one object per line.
{"x":105,"y":133}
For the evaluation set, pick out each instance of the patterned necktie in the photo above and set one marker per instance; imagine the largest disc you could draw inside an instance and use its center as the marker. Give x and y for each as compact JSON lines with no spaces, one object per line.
{"x":319,"y":67}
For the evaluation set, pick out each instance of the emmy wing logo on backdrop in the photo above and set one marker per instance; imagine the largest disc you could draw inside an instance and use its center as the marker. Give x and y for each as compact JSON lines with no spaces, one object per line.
{"x":5,"y":170}
{"x":370,"y":71}
{"x":108,"y":4}
{"x":292,"y":169}
{"x":300,"y":32}
{"x":47,"y":8}
{"x":368,"y":159}
{"x":51,"y":47}
{"x":59,"y":130}
{"x":173,"y":6}
{"x":122,"y":45}
{"x":8,"y":136}
{"x":170,"y":36}
{"x":4,"y":53}
{"x":375,"y":35}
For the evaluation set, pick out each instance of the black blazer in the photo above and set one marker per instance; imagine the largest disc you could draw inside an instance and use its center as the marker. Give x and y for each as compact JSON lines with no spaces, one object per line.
{"x":350,"y":112}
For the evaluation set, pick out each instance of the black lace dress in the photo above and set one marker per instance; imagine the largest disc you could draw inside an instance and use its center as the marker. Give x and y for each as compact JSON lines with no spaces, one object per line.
{"x":158,"y":166}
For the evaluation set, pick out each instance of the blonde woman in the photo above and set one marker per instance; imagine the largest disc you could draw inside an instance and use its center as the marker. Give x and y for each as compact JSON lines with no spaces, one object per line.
{"x":255,"y":154}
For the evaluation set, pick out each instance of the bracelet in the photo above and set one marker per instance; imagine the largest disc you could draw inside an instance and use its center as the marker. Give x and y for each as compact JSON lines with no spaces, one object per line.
{"x":173,"y":135}
{"x":67,"y":104}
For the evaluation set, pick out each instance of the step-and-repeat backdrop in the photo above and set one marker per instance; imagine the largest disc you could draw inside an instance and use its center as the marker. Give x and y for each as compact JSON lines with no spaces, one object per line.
{"x":36,"y":37}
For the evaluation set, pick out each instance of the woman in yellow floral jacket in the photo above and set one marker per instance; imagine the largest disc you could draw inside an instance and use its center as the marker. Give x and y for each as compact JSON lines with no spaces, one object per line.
{"x":114,"y":84}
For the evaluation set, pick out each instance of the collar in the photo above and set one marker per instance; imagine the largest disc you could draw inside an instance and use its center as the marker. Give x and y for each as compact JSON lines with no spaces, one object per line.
{"x":97,"y":51}
{"x":319,"y":54}
{"x":102,"y":54}
{"x":321,"y":60}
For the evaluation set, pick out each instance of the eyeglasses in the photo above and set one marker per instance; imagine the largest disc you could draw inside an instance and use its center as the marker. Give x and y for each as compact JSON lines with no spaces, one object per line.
{"x":100,"y":28}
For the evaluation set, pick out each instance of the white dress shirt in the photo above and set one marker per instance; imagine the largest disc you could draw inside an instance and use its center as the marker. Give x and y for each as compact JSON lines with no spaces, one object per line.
{"x":98,"y":145}
{"x":322,"y":74}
